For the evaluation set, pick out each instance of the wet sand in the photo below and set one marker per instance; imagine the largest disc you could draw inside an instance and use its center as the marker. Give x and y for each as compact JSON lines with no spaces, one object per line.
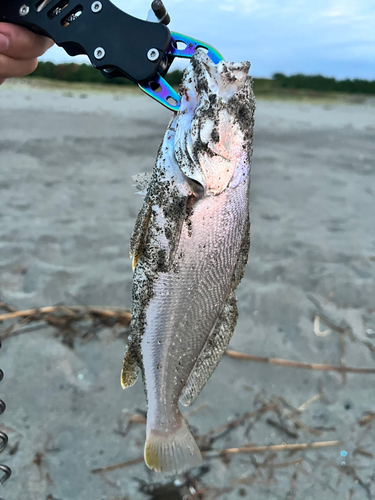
{"x":67,"y":209}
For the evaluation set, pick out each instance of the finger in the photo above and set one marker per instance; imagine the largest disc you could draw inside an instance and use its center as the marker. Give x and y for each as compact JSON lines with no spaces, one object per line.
{"x":23,"y":44}
{"x":10,"y":67}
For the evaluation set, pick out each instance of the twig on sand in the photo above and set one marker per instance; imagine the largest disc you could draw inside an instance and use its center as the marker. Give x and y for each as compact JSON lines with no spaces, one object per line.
{"x":307,"y":403}
{"x":282,"y":428}
{"x":120,"y":465}
{"x":298,"y":364}
{"x":317,"y":330}
{"x":214,"y":434}
{"x":366,"y":419}
{"x":7,"y":307}
{"x":348,"y":470}
{"x":282,"y":465}
{"x":343,"y":329}
{"x":109,"y":312}
{"x":272,"y":447}
{"x":106,"y":480}
{"x":240,"y":420}
{"x":137,"y":419}
{"x":199,"y":408}
{"x":293,"y":486}
{"x":342,"y":357}
{"x":360,"y":451}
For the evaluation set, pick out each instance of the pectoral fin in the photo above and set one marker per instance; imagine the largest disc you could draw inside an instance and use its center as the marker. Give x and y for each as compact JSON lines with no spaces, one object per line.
{"x":140,"y":232}
{"x":212,"y":352}
{"x":142,"y":182}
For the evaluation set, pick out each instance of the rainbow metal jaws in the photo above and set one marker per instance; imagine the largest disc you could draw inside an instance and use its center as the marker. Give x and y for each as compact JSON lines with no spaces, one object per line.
{"x":158,"y":88}
{"x":191,"y":47}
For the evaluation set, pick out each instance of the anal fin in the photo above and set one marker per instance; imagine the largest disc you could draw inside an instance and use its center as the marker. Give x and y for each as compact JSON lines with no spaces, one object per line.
{"x":130,"y":366}
{"x":212,"y":352}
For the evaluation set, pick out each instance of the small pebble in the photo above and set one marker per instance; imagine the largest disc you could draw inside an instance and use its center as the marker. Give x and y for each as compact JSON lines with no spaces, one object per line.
{"x":370,"y":332}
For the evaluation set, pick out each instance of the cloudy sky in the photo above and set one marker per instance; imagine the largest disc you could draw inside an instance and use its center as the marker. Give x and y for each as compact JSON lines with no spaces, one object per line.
{"x":330,"y":37}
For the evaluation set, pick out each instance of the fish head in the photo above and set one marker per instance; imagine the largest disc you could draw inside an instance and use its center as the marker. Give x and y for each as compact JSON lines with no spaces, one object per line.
{"x":214,"y":125}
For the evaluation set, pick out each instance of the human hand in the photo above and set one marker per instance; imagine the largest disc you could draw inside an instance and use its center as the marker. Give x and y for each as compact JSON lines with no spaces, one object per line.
{"x":19,"y":50}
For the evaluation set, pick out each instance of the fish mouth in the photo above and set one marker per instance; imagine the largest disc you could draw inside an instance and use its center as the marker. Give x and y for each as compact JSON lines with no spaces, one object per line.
{"x":212,"y":139}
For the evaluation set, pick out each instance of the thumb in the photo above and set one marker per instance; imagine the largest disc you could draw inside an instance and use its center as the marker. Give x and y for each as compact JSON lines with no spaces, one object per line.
{"x":4,"y":42}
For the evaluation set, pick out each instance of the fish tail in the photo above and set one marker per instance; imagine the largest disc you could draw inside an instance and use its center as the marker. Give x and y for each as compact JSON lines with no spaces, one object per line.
{"x":172,"y":452}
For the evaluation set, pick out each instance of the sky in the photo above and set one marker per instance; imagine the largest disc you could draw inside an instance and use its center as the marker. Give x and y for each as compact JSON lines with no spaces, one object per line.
{"x":329,"y":37}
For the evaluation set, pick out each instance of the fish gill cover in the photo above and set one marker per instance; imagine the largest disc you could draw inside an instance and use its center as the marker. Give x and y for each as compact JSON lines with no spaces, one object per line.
{"x":189,"y":247}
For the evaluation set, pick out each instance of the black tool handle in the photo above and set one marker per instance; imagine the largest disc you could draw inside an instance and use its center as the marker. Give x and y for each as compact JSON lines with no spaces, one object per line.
{"x":113,"y":40}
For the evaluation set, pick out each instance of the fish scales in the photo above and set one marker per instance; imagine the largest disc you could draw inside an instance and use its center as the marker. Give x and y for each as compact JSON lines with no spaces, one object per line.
{"x":189,"y":248}
{"x":190,"y":299}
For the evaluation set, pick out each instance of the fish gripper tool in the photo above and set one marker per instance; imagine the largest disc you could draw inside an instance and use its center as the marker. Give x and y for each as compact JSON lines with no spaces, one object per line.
{"x":116,"y":43}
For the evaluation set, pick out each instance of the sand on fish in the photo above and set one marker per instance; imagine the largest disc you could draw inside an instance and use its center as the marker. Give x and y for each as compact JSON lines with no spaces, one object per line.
{"x":67,"y":210}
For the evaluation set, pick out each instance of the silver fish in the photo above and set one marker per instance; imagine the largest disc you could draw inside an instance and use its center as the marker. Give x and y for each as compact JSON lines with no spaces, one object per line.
{"x":189,"y":247}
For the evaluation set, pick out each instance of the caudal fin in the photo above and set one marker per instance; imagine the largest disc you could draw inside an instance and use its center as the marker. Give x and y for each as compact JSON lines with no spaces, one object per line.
{"x":172,"y":452}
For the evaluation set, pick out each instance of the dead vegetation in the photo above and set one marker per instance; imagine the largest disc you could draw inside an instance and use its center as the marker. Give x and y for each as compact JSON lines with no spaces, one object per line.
{"x":275,"y":459}
{"x":69,"y":323}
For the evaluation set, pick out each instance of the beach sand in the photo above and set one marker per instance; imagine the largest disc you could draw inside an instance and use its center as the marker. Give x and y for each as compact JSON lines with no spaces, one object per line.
{"x":67,"y":209}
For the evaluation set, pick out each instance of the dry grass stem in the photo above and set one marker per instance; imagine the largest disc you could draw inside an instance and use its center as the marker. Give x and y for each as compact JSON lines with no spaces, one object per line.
{"x":282,"y":465}
{"x":282,"y":428}
{"x":305,"y":405}
{"x":199,"y":408}
{"x":120,"y":465}
{"x":110,"y":312}
{"x":360,"y":451}
{"x":106,"y":480}
{"x":298,"y":364}
{"x":304,"y":427}
{"x":7,"y":307}
{"x":272,"y":447}
{"x":349,"y":471}
{"x":342,"y":357}
{"x":137,"y":419}
{"x":316,"y":328}
{"x":344,"y":329}
{"x":366,"y":419}
{"x":219,"y":431}
{"x":293,"y":486}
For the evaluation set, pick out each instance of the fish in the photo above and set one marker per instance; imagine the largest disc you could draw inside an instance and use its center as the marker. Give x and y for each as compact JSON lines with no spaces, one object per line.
{"x":189,"y":248}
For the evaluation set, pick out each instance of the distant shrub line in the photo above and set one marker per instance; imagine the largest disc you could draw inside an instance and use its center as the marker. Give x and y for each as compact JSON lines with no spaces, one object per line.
{"x":323,"y":83}
{"x":73,"y":72}
{"x":86,"y":73}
